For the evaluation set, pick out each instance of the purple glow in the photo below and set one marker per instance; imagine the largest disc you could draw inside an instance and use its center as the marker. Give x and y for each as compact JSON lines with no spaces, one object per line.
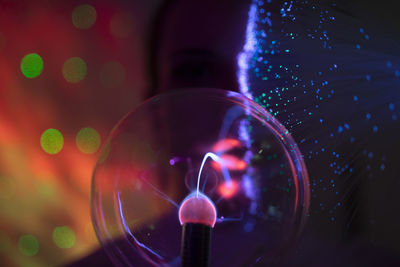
{"x":247,"y":52}
{"x":128,"y":231}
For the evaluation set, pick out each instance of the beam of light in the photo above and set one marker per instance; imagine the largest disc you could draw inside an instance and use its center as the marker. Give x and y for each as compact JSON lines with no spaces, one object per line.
{"x":231,"y":115}
{"x":206,"y":156}
{"x":137,"y":243}
{"x":247,"y":52}
{"x":223,"y":219}
{"x":158,"y":192}
{"x":216,"y":158}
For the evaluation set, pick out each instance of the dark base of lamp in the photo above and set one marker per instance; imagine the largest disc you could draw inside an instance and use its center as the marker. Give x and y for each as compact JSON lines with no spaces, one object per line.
{"x":196,"y":245}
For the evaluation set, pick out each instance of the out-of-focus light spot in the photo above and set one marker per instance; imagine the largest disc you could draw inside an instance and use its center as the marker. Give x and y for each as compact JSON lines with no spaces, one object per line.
{"x":112,"y":74}
{"x":84,"y":16}
{"x":52,"y":141}
{"x":7,"y":187}
{"x":230,"y":162}
{"x":28,"y":245}
{"x":74,"y":70}
{"x":64,"y":237}
{"x":225,"y":145}
{"x":31,"y":65}
{"x":88,"y":140}
{"x":228,"y":188}
{"x":4,"y":243}
{"x":121,"y":25}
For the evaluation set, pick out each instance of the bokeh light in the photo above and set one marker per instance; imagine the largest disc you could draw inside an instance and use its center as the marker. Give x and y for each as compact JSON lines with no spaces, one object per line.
{"x":88,"y":140}
{"x":228,"y":189}
{"x":84,"y":16}
{"x":28,"y":245}
{"x":52,"y":141}
{"x":31,"y":65}
{"x":44,"y":177}
{"x":64,"y":237}
{"x":121,"y":25}
{"x":112,"y":74}
{"x":74,"y":70}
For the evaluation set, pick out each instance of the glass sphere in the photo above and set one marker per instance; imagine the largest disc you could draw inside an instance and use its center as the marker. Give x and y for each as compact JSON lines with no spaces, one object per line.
{"x":219,"y":146}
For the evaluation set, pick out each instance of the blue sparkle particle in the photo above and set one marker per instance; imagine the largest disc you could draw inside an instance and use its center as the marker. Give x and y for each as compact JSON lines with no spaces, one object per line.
{"x":382,"y":167}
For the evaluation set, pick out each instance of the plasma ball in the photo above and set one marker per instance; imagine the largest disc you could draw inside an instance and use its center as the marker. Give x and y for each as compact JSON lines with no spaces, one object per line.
{"x":199,"y":209}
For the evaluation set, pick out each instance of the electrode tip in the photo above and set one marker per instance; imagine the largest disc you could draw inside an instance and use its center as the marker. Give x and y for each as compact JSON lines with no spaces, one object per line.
{"x":197,"y":208}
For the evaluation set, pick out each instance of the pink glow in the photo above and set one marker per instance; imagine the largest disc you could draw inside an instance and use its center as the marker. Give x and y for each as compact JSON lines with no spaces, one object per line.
{"x":228,"y":189}
{"x":197,"y":209}
{"x":226,"y":145}
{"x":230,"y":162}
